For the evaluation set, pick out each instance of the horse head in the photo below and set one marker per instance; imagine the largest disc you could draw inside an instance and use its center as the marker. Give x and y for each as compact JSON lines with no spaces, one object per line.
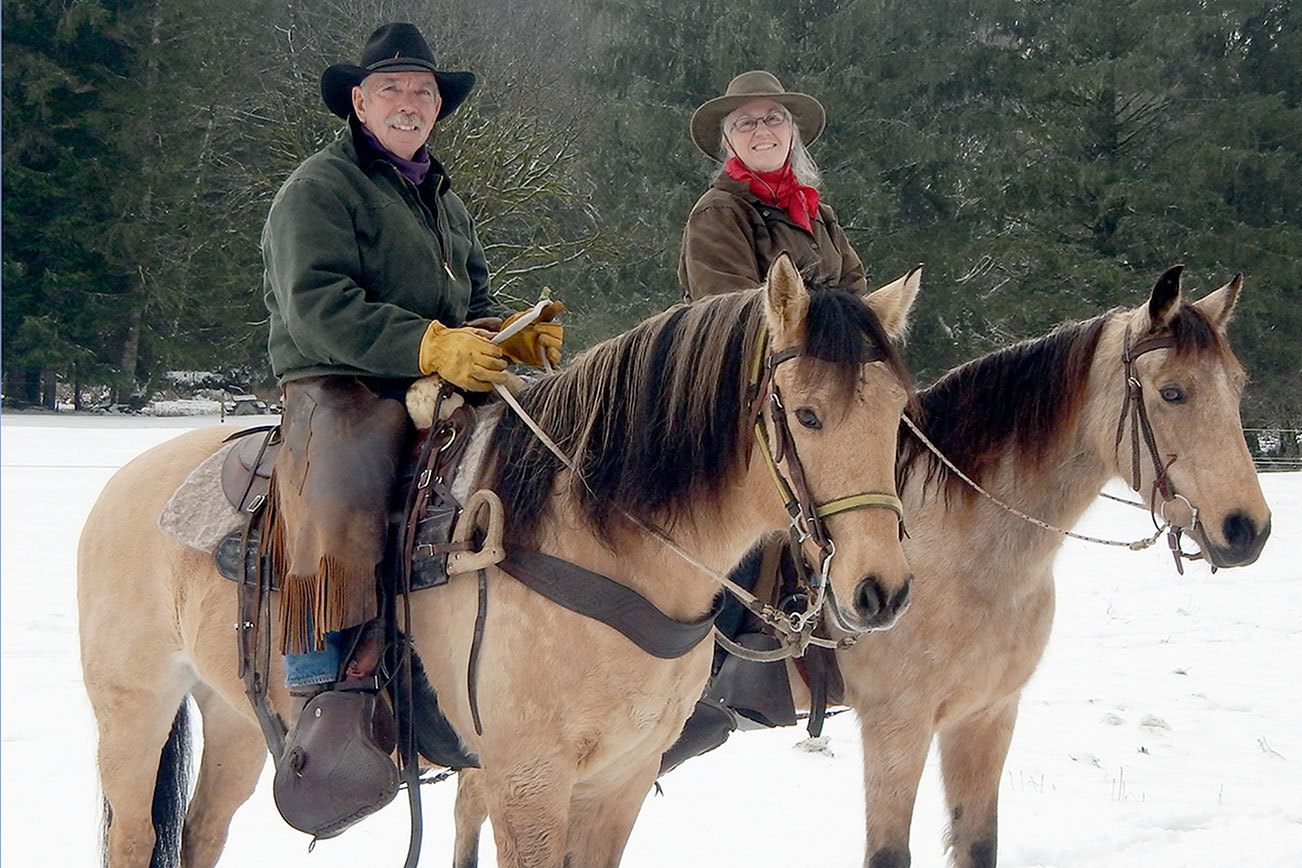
{"x":1180,"y":415}
{"x":838,"y":389}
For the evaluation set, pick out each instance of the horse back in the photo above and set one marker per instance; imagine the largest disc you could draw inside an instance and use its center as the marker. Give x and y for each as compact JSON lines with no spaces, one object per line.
{"x":126,"y":564}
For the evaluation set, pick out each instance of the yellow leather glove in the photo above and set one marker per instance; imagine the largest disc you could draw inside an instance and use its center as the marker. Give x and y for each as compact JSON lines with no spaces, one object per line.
{"x":542,"y":336}
{"x":465,"y":357}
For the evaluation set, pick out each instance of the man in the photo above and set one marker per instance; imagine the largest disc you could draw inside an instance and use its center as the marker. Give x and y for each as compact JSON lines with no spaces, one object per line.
{"x":373,"y":270}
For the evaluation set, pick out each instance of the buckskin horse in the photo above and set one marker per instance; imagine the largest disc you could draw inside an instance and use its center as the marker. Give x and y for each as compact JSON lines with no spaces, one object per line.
{"x":1042,"y":425}
{"x":575,"y":717}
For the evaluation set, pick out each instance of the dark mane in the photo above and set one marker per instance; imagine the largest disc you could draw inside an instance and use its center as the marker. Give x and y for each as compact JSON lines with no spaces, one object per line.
{"x":1021,"y":398}
{"x":654,"y":417}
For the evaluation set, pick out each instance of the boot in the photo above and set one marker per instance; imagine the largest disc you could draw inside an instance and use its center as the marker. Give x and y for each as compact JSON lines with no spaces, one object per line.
{"x":709,"y":727}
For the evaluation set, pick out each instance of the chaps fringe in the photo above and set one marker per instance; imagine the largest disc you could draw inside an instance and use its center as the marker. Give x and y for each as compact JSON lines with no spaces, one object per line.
{"x":337,"y":595}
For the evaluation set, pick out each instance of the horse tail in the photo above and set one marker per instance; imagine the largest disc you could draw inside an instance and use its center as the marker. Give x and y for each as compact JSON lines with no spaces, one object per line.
{"x":105,"y":820}
{"x":172,"y":790}
{"x":171,"y":795}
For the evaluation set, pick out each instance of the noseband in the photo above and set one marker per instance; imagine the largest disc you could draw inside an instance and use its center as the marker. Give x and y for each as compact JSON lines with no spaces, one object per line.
{"x":807,"y":516}
{"x":1133,"y":408}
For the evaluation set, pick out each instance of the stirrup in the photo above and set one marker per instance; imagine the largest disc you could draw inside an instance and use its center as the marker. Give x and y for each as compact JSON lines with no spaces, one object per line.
{"x":337,"y":767}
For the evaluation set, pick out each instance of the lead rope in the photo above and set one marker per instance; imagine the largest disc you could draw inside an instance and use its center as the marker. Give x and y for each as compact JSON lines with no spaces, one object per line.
{"x":1137,"y":545}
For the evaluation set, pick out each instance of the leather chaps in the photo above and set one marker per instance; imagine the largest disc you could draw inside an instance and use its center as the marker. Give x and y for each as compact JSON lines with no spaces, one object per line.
{"x":343,"y":440}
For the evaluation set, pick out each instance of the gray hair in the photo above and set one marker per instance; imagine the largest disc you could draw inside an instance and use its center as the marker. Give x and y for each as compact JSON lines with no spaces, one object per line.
{"x":802,"y":164}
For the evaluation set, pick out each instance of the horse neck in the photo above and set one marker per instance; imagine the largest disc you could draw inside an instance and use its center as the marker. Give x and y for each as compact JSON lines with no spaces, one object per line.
{"x":716,"y":530}
{"x":1059,"y":487}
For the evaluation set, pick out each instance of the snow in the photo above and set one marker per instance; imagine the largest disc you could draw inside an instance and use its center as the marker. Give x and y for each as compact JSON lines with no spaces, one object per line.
{"x":1162,"y":729}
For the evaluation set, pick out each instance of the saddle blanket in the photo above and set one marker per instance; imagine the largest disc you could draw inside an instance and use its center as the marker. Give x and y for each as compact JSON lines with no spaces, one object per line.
{"x":200,"y":515}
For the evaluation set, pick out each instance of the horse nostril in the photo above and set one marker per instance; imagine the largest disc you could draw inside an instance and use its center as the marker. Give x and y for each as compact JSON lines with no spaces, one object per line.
{"x":1238,"y":530}
{"x":901,"y":598}
{"x":869,"y":598}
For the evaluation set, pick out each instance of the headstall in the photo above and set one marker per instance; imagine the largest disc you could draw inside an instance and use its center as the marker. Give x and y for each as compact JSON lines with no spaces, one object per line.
{"x":1133,"y":409}
{"x":807,"y":516}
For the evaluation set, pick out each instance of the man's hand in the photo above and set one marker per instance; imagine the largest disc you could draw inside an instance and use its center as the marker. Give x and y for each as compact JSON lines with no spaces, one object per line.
{"x":465,"y":357}
{"x":541,"y":339}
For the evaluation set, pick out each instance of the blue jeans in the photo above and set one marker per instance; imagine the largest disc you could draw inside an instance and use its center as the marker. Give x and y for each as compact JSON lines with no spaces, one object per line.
{"x":315,"y":667}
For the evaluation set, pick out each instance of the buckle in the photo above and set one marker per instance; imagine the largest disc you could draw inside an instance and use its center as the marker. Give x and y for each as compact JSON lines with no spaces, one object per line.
{"x":799,"y":524}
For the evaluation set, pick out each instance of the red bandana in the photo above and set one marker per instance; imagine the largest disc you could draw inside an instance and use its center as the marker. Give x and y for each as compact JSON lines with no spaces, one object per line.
{"x":779,"y":188}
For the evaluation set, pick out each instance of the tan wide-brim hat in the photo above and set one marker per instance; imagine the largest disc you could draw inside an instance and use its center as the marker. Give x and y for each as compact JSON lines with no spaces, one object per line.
{"x":756,"y":84}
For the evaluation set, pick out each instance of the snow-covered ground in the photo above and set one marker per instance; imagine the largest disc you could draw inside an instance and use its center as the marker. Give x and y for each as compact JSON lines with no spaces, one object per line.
{"x":1163,"y":729}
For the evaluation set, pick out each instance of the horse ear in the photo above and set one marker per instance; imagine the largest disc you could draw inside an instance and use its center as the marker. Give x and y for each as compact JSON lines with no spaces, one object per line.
{"x":893,"y":302}
{"x":787,"y":302}
{"x":1165,"y":300}
{"x":1218,"y":306}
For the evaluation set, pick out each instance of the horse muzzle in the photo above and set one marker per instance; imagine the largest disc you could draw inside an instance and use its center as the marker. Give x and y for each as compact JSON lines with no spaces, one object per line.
{"x":872,"y":607}
{"x":1244,"y":540}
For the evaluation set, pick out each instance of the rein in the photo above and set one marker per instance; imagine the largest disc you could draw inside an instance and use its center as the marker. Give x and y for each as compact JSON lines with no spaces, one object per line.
{"x":794,"y":630}
{"x":1132,"y":408}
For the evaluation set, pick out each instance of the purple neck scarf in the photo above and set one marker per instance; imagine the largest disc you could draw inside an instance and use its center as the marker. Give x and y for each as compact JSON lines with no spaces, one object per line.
{"x":413,"y":170}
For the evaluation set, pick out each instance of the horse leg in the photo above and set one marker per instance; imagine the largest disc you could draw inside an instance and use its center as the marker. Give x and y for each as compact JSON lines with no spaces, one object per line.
{"x":470,"y":812}
{"x":894,"y":753}
{"x":600,"y":824}
{"x":972,"y":754}
{"x":233,"y":755}
{"x":137,"y":719}
{"x":529,"y":806}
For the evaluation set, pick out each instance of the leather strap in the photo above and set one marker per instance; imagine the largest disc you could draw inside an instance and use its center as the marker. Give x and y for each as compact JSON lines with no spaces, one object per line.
{"x":254,"y":628}
{"x":1133,"y":407}
{"x":605,"y":600}
{"x":476,"y":645}
{"x":822,"y":675}
{"x":796,"y":496}
{"x":862,"y":501}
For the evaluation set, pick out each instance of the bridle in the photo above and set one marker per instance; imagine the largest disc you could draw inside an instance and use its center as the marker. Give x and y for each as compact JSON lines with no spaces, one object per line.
{"x":1133,"y":408}
{"x":807,"y":516}
{"x":793,"y":629}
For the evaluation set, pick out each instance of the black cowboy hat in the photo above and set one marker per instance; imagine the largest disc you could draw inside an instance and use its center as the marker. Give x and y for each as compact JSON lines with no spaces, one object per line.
{"x":393,"y":48}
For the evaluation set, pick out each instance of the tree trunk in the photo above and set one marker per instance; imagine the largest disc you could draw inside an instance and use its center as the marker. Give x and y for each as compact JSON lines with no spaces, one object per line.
{"x":50,"y":388}
{"x":28,"y":385}
{"x":131,"y":346}
{"x":148,"y":129}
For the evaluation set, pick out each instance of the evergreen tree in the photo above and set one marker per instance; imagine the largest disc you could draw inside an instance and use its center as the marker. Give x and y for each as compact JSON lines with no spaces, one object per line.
{"x":60,"y":292}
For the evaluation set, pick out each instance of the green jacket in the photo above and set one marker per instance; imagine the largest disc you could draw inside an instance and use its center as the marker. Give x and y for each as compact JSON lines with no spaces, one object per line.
{"x":359,"y":261}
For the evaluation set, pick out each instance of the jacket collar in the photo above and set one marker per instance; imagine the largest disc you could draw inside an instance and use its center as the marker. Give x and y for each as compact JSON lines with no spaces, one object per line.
{"x":741,"y":190}
{"x":360,"y":150}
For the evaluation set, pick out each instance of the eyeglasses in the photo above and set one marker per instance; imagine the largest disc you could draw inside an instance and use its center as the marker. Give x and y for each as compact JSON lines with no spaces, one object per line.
{"x":775,"y":118}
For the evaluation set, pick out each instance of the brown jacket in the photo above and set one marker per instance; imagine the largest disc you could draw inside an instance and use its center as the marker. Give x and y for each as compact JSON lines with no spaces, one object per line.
{"x":732,"y":238}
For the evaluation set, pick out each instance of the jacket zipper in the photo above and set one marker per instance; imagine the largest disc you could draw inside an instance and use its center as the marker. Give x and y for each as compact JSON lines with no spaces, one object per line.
{"x":430,"y":218}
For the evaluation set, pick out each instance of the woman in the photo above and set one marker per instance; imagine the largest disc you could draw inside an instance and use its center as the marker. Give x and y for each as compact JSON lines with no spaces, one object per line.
{"x":764,"y":200}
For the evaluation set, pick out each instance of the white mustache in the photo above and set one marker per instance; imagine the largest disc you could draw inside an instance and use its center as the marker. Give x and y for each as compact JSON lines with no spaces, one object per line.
{"x":406,"y":119}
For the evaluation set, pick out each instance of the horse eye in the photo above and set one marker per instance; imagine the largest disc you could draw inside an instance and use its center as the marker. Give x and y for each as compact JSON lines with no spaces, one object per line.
{"x":808,"y":418}
{"x":1172,"y":394}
